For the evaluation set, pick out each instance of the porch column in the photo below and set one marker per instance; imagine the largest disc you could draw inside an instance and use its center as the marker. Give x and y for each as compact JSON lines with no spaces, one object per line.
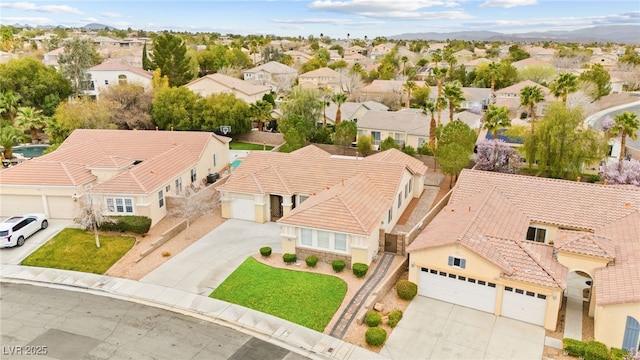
{"x":287,"y":204}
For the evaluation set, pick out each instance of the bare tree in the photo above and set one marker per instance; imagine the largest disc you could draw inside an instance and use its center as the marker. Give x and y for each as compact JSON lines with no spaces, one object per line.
{"x":91,"y":214}
{"x":194,"y":204}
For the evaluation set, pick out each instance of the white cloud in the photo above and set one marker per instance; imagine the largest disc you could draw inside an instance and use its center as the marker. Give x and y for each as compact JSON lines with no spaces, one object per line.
{"x":557,"y":23}
{"x":26,"y":6}
{"x":89,"y":20}
{"x":381,"y":7}
{"x":27,"y":20}
{"x":334,"y":21}
{"x":111,"y":15}
{"x":507,"y":3}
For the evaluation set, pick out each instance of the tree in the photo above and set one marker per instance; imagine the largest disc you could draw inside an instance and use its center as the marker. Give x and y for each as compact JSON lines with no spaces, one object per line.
{"x":9,"y":137}
{"x":504,"y":159}
{"x":130,"y":105}
{"x":540,"y":74}
{"x":517,"y":54}
{"x":173,"y":108}
{"x":42,"y":88}
{"x":494,"y":67}
{"x":627,"y":174}
{"x":496,"y":118}
{"x":159,"y":82}
{"x":452,"y":159}
{"x":626,"y":125}
{"x":600,"y":78}
{"x":364,"y":145}
{"x":421,"y":94}
{"x":454,"y":95}
{"x":389,"y":143}
{"x":563,"y":85}
{"x":9,"y":104}
{"x":218,"y":110}
{"x":295,"y":131}
{"x":339,"y":99}
{"x":409,"y":87}
{"x":76,"y":59}
{"x":83,"y":113}
{"x":146,"y":63}
{"x":430,"y":109}
{"x":170,"y":55}
{"x":346,"y":132}
{"x":529,"y":97}
{"x":192,"y":205}
{"x":305,"y":103}
{"x":91,"y":215}
{"x":457,"y":132}
{"x":261,"y":112}
{"x":500,"y":74}
{"x":563,"y":145}
{"x":31,"y":120}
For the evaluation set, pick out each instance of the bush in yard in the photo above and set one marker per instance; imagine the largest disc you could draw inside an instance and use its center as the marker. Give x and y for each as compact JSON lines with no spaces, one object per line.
{"x":360,"y":269}
{"x":311,"y":260}
{"x":595,"y":350}
{"x":573,"y":347}
{"x":265,"y":251}
{"x":406,"y":289}
{"x":375,"y":336}
{"x":128,"y":223}
{"x":618,"y":354}
{"x":373,"y":318}
{"x":338,"y":265}
{"x":394,"y":317}
{"x":289,"y":258}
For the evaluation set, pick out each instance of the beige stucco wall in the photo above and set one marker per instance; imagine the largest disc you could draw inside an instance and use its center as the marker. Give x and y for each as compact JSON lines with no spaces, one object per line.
{"x":610,"y":322}
{"x":477,"y":267}
{"x":262,"y":208}
{"x":584,"y":263}
{"x":397,"y":212}
{"x":206,"y":87}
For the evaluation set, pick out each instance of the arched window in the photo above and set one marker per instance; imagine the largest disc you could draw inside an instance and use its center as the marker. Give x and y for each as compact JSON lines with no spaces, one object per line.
{"x":122,"y":79}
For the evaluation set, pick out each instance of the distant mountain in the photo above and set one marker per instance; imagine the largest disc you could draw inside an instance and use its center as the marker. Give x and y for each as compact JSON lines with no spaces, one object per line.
{"x":96,"y":26}
{"x":624,"y":34}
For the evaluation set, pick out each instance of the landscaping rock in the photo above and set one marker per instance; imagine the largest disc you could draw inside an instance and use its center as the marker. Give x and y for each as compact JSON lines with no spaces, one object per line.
{"x":378,"y":307}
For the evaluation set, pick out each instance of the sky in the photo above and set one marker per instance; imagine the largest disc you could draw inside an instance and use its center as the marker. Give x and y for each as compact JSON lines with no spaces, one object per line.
{"x":335,"y":18}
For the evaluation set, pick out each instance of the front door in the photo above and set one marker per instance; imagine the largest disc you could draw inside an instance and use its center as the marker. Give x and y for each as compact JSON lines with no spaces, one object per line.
{"x":276,"y":207}
{"x":390,"y":243}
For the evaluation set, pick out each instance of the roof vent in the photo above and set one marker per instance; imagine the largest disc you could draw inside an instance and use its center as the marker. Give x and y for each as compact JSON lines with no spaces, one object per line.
{"x":627,"y":205}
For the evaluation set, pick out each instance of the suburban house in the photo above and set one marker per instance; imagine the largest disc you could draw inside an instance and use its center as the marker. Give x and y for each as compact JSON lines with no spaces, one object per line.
{"x":352,"y":111}
{"x":279,"y":77}
{"x":408,"y":127}
{"x":323,"y":78}
{"x":299,"y":58}
{"x":334,"y":207}
{"x":223,"y":84}
{"x":133,"y":171}
{"x":512,"y":246}
{"x":51,"y":58}
{"x":113,"y":72}
{"x":510,"y":97}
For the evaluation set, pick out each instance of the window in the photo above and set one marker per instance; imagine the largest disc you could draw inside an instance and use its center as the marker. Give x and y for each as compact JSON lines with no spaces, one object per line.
{"x":302,"y":198}
{"x":390,"y":215}
{"x":178,"y":186}
{"x":305,"y":237}
{"x":168,"y":188}
{"x":482,"y":282}
{"x":529,"y":293}
{"x":406,"y":190}
{"x":457,"y":262}
{"x":106,"y":82}
{"x":508,"y":288}
{"x":193,"y":175}
{"x":120,"y":205}
{"x":323,"y":239}
{"x":215,"y":160}
{"x":543,"y":297}
{"x":341,"y":242}
{"x":160,"y":199}
{"x":453,"y":276}
{"x":376,"y":137}
{"x":519,"y":291}
{"x":463,"y":278}
{"x":399,"y":199}
{"x":536,"y":234}
{"x":122,"y":79}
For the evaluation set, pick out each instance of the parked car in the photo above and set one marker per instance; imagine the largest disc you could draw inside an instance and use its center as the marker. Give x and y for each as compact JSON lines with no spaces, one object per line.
{"x":16,"y":229}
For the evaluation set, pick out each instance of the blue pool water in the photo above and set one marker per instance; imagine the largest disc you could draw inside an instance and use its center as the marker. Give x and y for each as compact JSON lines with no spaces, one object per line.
{"x":30,"y":151}
{"x":236,"y":163}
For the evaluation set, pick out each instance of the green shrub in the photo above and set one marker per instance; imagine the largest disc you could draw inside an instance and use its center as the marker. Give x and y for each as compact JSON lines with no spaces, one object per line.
{"x":311,"y":260}
{"x":409,"y":150}
{"x":573,"y":347}
{"x":375,"y":336}
{"x":595,"y":350}
{"x":426,"y":149}
{"x":618,"y":354}
{"x":128,"y":223}
{"x":593,"y":178}
{"x":289,"y":258}
{"x":338,"y":265}
{"x":265,"y":251}
{"x":373,"y":318}
{"x":360,"y":269}
{"x":394,"y":317}
{"x":406,"y":289}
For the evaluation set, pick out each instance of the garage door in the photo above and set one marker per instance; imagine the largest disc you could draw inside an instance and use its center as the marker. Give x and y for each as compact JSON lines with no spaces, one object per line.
{"x":460,"y":290}
{"x":524,"y":305}
{"x":61,"y":207}
{"x":243,"y":209}
{"x":11,"y":205}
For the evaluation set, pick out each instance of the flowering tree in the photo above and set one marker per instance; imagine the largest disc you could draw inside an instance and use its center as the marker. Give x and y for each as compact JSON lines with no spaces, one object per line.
{"x":628,"y":174}
{"x":497,"y":156}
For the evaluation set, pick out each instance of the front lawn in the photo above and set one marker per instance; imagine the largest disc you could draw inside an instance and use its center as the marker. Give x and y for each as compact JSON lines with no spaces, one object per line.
{"x":237,"y":145}
{"x":304,"y":298}
{"x":75,"y":249}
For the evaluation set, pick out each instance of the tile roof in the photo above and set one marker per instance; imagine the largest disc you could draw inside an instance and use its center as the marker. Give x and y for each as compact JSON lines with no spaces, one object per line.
{"x":273,"y":67}
{"x":322,"y":72}
{"x":232,"y":83}
{"x":410,"y":122}
{"x":114,"y":65}
{"x":398,"y":157}
{"x":515,"y":88}
{"x":584,"y":243}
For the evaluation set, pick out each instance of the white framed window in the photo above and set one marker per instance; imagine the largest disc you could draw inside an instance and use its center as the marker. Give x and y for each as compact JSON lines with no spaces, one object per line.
{"x":160,"y":198}
{"x":119,"y":205}
{"x":341,"y":241}
{"x":536,"y":234}
{"x":323,"y":239}
{"x":215,"y":160}
{"x":168,"y":188}
{"x":390,"y":215}
{"x":193,"y":175}
{"x":399,"y":199}
{"x":178,"y":186}
{"x":457,"y":262}
{"x":306,"y":237}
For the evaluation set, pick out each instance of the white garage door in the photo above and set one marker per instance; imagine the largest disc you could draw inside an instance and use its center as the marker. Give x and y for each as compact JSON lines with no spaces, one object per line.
{"x":61,"y":207}
{"x":524,"y":305}
{"x":243,"y":209}
{"x":460,"y":290}
{"x":11,"y":205}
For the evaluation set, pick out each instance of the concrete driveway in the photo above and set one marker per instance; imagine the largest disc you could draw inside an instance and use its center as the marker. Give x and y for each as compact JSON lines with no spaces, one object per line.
{"x":15,"y":255}
{"x":432,"y":329}
{"x":205,"y":264}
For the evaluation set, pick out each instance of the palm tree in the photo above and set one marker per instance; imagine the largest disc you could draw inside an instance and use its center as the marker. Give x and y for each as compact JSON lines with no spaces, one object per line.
{"x":441,"y":104}
{"x":563,"y":85}
{"x":29,"y":118}
{"x":409,"y":87}
{"x":404,"y":60}
{"x":261,"y":112}
{"x":9,"y":137}
{"x":529,"y":97}
{"x":454,"y":95}
{"x":626,"y":124}
{"x":494,"y":67}
{"x":439,"y":75}
{"x":430,"y":109}
{"x":339,"y":99}
{"x":496,"y":118}
{"x":436,"y":57}
{"x":9,"y":103}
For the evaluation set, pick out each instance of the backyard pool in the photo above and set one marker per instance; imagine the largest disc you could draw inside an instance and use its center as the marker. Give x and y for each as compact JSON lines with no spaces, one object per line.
{"x":30,"y":151}
{"x":236,"y":163}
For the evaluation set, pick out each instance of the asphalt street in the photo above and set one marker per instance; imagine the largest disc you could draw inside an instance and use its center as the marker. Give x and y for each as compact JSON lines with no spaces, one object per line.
{"x":47,"y":323}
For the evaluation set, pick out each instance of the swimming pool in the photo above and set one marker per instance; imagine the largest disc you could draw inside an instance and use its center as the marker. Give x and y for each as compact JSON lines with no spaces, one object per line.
{"x":236,"y":163}
{"x":30,"y":151}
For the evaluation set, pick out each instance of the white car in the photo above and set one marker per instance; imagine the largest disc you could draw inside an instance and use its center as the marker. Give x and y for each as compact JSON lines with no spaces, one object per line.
{"x":16,"y":229}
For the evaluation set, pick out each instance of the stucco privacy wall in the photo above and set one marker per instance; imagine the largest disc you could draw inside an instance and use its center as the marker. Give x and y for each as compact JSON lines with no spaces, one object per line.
{"x":610,"y":322}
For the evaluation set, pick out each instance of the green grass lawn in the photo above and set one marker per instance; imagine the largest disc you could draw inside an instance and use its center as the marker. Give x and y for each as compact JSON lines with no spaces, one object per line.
{"x":304,"y":298}
{"x":236,"y":145}
{"x":75,"y":249}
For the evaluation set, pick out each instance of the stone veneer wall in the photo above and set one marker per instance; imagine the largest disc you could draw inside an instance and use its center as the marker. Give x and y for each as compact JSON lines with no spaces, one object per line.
{"x":323,"y":256}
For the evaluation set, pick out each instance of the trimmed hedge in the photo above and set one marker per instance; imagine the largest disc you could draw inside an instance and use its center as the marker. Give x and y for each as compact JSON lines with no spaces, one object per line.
{"x":406,"y":289}
{"x":311,"y":260}
{"x":595,"y":350}
{"x":373,"y":318}
{"x":618,"y":354}
{"x":265,"y":251}
{"x":289,"y":258}
{"x":375,"y":336}
{"x":360,"y":269}
{"x":338,"y":265}
{"x":394,"y":317}
{"x":573,"y":347}
{"x":127,"y":223}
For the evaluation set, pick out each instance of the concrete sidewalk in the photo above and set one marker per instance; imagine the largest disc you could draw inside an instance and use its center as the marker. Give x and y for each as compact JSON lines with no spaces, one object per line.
{"x":293,"y":337}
